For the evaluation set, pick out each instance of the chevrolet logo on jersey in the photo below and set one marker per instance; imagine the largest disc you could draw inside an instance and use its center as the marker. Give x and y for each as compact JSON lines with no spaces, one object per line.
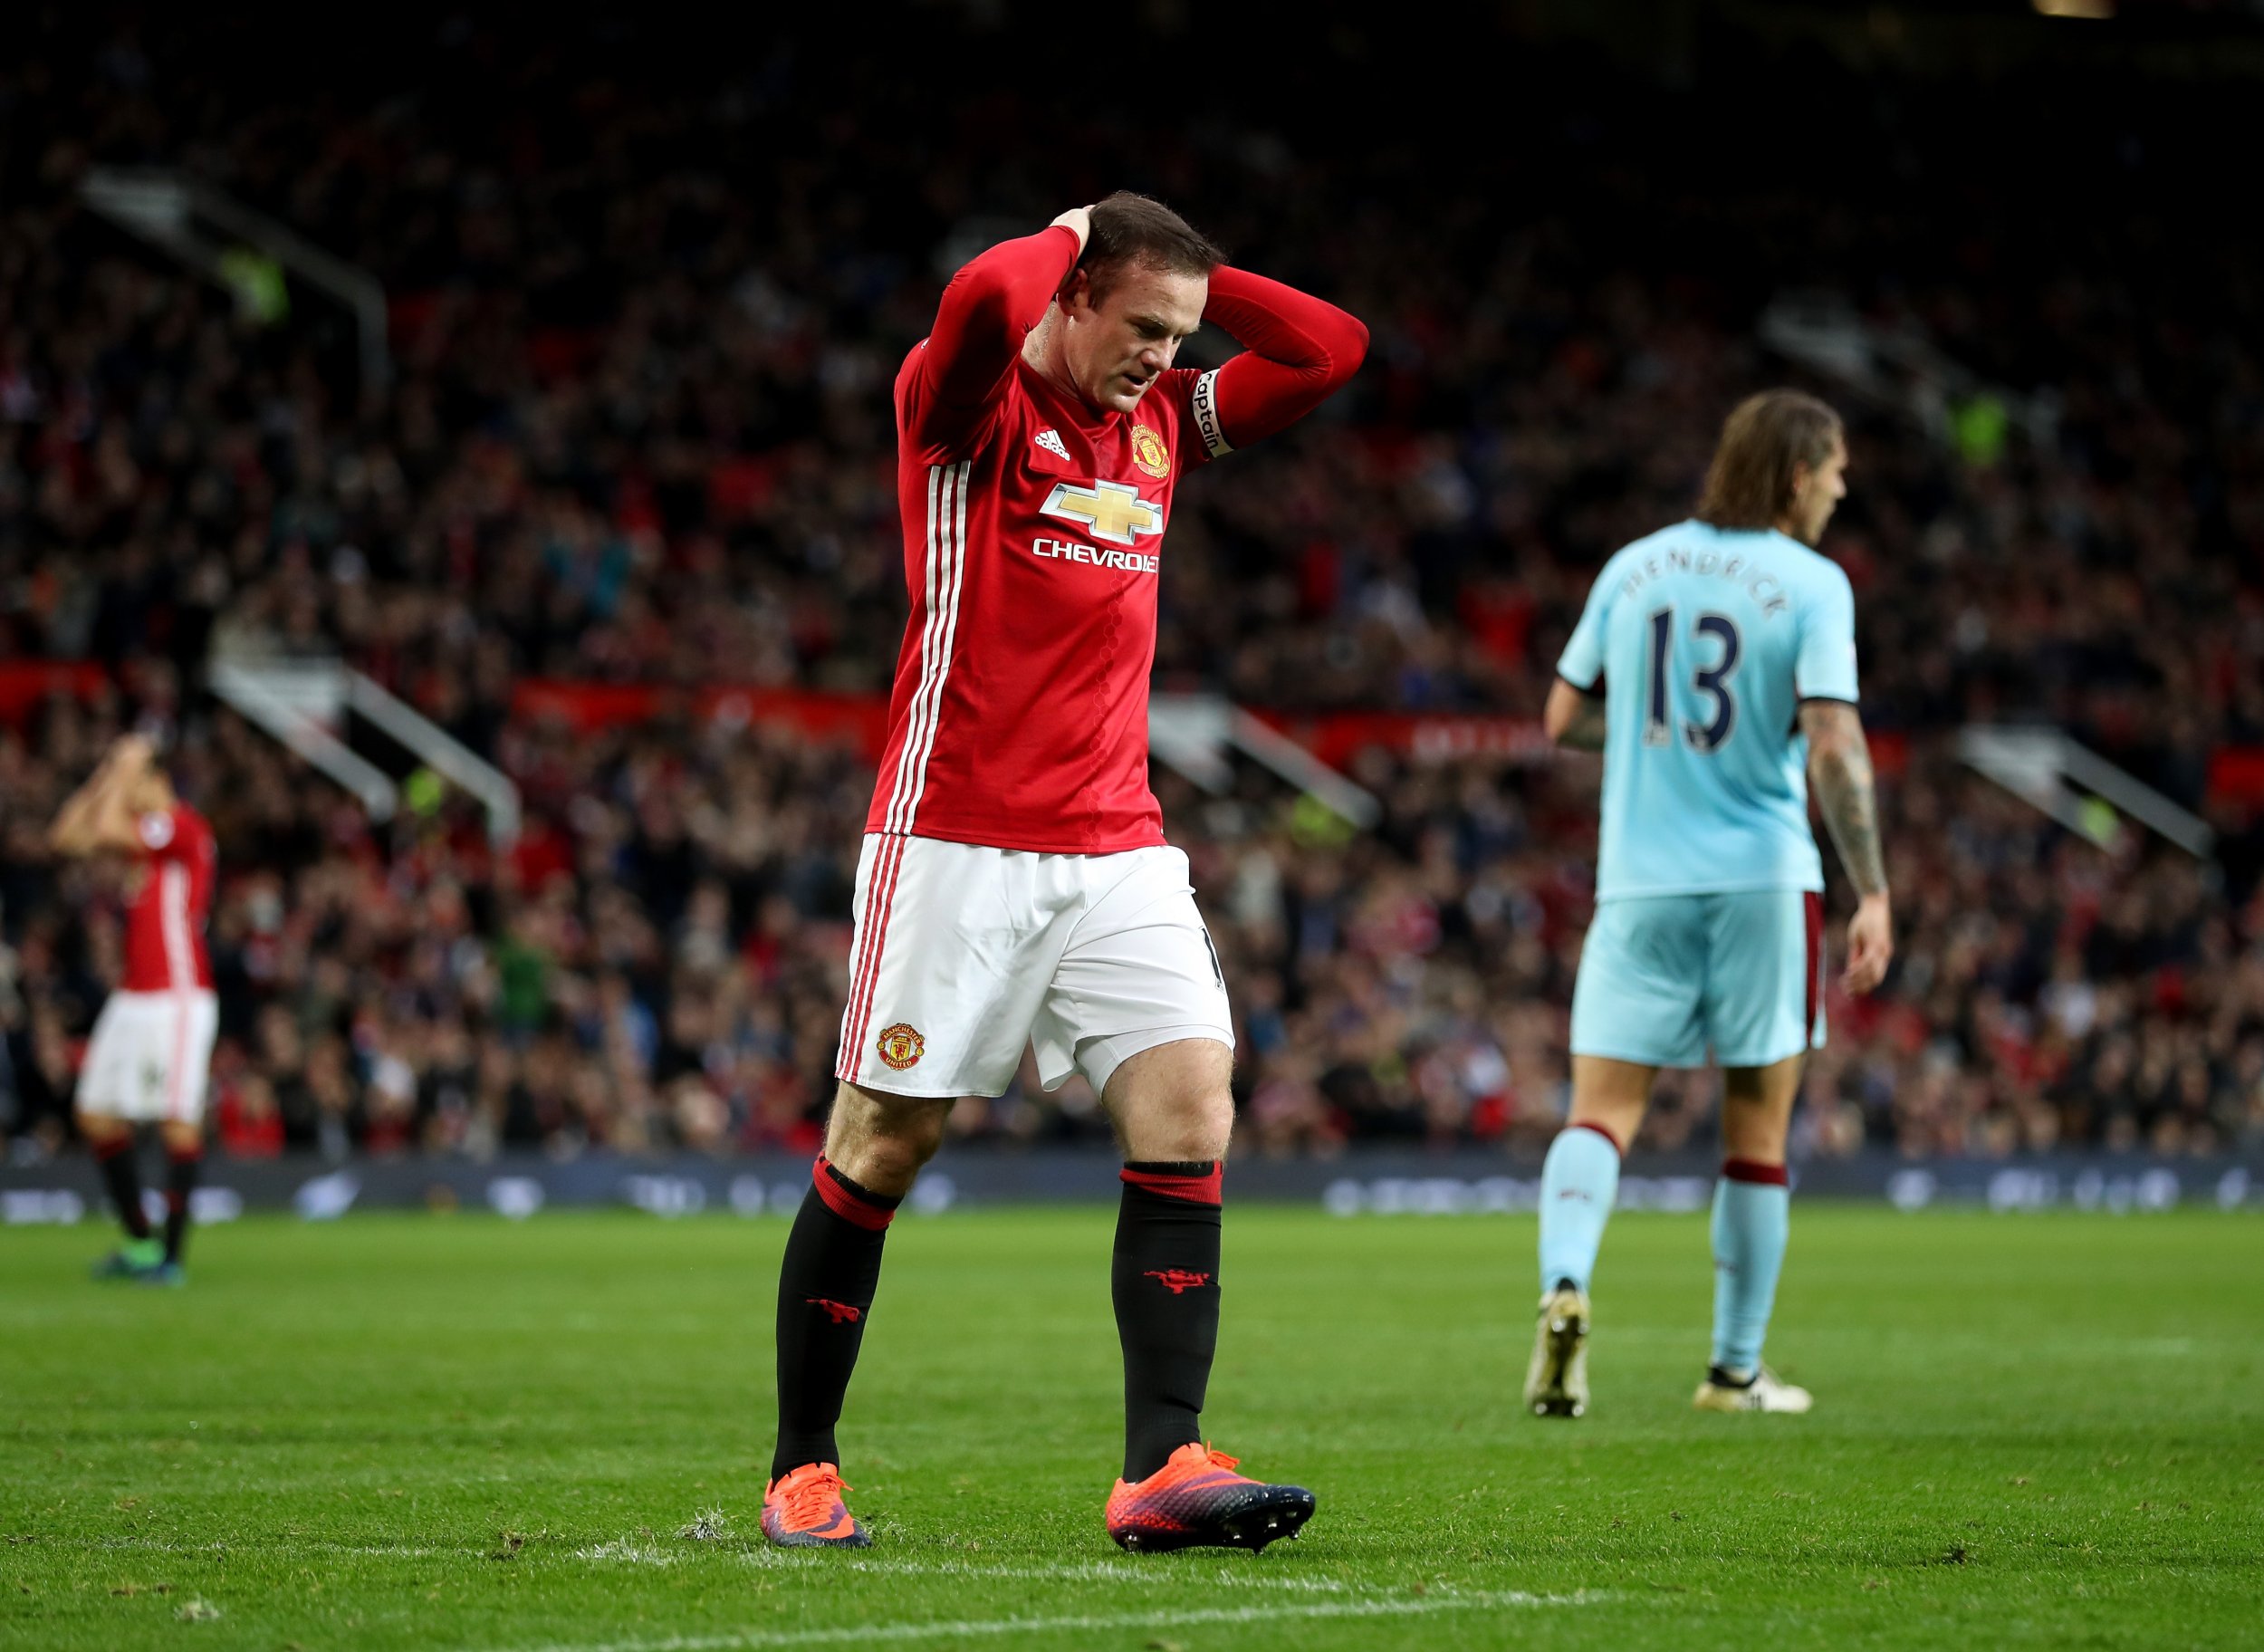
{"x":1112,"y":510}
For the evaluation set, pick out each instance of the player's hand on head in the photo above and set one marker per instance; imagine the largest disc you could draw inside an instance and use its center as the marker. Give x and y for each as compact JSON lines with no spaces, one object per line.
{"x":1079,"y":222}
{"x":1870,"y":944}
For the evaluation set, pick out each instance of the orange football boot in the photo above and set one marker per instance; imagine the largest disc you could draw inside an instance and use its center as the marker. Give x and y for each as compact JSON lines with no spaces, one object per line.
{"x":803,"y":1509}
{"x":1197,"y":1500}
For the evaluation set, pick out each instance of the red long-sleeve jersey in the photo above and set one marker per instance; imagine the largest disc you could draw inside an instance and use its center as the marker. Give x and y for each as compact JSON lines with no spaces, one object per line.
{"x":1033,"y":531}
{"x":168,"y":901}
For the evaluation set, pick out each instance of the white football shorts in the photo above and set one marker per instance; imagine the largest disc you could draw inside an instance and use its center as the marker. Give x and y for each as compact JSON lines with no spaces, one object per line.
{"x":149,"y":1056}
{"x":964,"y":954}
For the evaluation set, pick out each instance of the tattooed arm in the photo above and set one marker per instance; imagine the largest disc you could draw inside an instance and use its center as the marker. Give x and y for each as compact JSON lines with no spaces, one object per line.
{"x":1574,"y":717}
{"x":1839,"y":773}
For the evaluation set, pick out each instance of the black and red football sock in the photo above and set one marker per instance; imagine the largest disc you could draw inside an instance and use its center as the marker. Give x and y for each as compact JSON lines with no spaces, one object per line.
{"x":825,"y":1288}
{"x":180,"y":1188}
{"x":121,"y":1174}
{"x":1164,"y":1280}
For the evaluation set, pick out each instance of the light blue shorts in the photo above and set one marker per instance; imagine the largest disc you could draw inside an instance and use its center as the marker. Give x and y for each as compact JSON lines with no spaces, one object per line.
{"x":1663,"y":978}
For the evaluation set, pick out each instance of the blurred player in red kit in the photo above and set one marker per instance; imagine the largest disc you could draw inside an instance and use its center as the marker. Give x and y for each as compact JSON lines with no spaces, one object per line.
{"x":1015,"y":887}
{"x":151,"y":1050}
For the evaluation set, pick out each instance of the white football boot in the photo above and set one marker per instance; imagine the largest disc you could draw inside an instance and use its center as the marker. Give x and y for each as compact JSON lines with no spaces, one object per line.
{"x":1764,"y":1390}
{"x":1555,"y":1382}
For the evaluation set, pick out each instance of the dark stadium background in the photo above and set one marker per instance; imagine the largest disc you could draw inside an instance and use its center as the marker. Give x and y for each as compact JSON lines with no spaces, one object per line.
{"x":621,"y":522}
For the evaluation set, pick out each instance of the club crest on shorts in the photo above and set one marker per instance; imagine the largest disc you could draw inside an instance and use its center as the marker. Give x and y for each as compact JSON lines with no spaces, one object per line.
{"x":901,"y":1045}
{"x":1150,"y":453}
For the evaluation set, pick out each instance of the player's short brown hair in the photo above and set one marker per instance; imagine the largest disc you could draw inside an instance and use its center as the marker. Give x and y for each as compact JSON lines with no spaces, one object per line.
{"x":1132,"y":229}
{"x":1765,"y":438}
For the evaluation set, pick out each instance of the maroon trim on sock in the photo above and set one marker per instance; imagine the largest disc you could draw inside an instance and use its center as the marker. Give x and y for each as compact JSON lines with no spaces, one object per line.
{"x":850,"y":1202}
{"x":174,"y":1156}
{"x":105,"y":1151}
{"x":1209,"y":1189}
{"x":1600,"y":1130}
{"x":1753,"y":1170}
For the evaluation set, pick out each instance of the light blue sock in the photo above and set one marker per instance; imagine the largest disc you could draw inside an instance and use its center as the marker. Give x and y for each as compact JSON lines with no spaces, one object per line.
{"x":1751,"y":1214}
{"x":1578,"y":1182}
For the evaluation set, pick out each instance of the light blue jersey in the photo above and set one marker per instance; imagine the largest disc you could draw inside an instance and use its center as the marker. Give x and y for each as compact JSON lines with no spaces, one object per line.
{"x":1703,"y":643}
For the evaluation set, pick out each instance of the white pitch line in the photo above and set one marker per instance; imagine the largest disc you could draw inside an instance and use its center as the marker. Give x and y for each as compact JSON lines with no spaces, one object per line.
{"x":750,"y":1640}
{"x":653,"y":1551}
{"x":630,"y":1552}
{"x":636,"y":1551}
{"x":1087,"y":1572}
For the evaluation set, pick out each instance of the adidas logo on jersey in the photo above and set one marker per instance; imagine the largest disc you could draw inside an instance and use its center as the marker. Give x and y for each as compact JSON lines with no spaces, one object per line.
{"x":1050,"y":440}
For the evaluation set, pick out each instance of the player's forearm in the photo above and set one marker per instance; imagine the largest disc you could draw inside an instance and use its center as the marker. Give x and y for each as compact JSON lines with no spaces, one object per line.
{"x":1840,"y":774}
{"x":113,"y":822}
{"x":989,"y":308}
{"x":1286,"y":326}
{"x":77,"y":828}
{"x":71,"y":834}
{"x":1302,"y":350}
{"x":1574,"y":717}
{"x":110,"y":822}
{"x":1583,"y":730}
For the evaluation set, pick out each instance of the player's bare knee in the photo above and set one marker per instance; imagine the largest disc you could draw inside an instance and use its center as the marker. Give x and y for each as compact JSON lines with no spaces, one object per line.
{"x":1753,"y":1132}
{"x":1174,"y":1103}
{"x":1611,"y":1096}
{"x":1613,"y":1117}
{"x":1619,"y":1121}
{"x":1182,"y":1132}
{"x":1757,"y":1109}
{"x":1754,"y":1128}
{"x":879,"y":1141}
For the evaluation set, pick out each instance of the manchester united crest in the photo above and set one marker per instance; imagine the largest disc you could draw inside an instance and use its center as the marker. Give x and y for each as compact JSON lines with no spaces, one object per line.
{"x":1150,"y":453}
{"x":901,"y":1045}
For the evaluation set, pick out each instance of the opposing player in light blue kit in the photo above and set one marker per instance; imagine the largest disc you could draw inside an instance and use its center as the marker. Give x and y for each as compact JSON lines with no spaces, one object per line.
{"x":1728,"y":645}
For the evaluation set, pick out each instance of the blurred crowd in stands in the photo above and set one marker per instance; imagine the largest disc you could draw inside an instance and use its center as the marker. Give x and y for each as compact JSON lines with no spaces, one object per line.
{"x":639,"y":431}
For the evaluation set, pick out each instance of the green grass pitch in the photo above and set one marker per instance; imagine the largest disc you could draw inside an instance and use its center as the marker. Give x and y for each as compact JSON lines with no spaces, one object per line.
{"x":458,"y":1432}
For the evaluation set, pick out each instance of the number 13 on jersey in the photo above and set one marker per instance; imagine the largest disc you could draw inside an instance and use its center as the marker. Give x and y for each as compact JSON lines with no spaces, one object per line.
{"x":1711,"y":634}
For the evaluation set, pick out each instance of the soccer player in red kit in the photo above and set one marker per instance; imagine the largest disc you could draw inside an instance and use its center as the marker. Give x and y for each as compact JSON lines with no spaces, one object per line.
{"x":1015,"y":887}
{"x":151,"y":1050}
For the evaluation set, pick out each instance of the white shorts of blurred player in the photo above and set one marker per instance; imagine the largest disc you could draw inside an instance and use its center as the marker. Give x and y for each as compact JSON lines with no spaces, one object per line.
{"x":964,"y":954}
{"x":150,"y":1057}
